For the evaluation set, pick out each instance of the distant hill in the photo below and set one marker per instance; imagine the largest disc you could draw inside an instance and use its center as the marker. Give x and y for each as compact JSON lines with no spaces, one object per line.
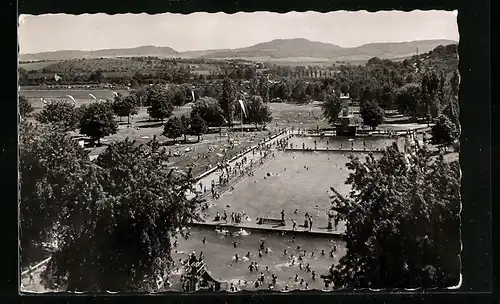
{"x":141,"y":51}
{"x":281,"y":48}
{"x":276,"y":49}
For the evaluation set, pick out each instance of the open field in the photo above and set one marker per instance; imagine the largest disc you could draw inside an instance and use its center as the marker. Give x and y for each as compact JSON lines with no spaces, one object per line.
{"x":37,"y":65}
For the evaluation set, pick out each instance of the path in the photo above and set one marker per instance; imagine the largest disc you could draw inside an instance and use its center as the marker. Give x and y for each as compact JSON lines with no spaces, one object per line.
{"x":206,"y":180}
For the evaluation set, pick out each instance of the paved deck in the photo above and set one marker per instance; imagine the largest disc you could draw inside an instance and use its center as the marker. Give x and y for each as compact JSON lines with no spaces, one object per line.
{"x":206,"y":178}
{"x":322,"y":231}
{"x":334,"y":150}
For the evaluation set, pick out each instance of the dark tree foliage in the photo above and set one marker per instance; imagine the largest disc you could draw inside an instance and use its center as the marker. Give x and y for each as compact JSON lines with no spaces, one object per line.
{"x":298,"y":94}
{"x":179,"y":97}
{"x":25,"y":108}
{"x":53,"y":172}
{"x":61,"y":114}
{"x":408,"y":101}
{"x":257,"y":111}
{"x":97,"y":120}
{"x":125,"y":223}
{"x":430,"y":86}
{"x":198,"y":126}
{"x":444,"y":132}
{"x":372,"y":114}
{"x":125,"y":106}
{"x":185,"y":126}
{"x":227,"y":100}
{"x":403,"y":225}
{"x":209,"y":110}
{"x":264,"y":89}
{"x":97,"y":76}
{"x":159,"y":101}
{"x":174,"y":128}
{"x":331,"y":107}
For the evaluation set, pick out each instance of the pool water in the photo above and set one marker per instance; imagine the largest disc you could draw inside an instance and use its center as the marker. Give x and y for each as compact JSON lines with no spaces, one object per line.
{"x":219,"y":255}
{"x":299,"y":183}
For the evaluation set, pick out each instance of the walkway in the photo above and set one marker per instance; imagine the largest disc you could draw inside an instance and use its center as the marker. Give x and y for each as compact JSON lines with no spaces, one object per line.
{"x":213,"y":174}
{"x":256,"y":227}
{"x":334,"y":150}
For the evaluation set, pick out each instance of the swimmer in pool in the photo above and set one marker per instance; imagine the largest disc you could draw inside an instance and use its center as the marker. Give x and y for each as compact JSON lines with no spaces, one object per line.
{"x":204,"y":240}
{"x":322,"y":251}
{"x":284,"y":252}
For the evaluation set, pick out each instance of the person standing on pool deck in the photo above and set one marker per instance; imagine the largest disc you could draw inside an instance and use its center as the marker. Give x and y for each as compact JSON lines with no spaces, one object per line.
{"x":282,"y":215}
{"x":310,"y":223}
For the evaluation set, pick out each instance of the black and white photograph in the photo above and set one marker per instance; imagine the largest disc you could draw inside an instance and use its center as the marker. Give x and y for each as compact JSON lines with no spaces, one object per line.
{"x":252,"y":151}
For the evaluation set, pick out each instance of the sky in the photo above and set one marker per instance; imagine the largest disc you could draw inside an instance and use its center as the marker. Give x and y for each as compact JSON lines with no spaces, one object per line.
{"x":204,"y":31}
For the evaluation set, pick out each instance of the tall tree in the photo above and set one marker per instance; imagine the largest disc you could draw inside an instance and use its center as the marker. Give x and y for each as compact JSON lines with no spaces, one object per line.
{"x":403,"y":224}
{"x":125,"y":106}
{"x":198,"y":126}
{"x":430,"y":93}
{"x":331,"y":107}
{"x":210,"y":110}
{"x":299,"y":92}
{"x":185,"y":126}
{"x":159,"y":100}
{"x":408,"y":101}
{"x":372,"y":114}
{"x":97,"y":121}
{"x":178,"y":97}
{"x":257,"y":111}
{"x":227,"y":100}
{"x":61,"y":114}
{"x":174,"y":128}
{"x":127,"y":224}
{"x":264,"y":89}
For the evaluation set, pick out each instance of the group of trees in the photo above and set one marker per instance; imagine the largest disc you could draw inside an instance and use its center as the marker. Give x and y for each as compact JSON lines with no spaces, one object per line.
{"x":176,"y":127}
{"x":96,"y":119}
{"x":122,"y":208}
{"x":403,"y":222}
